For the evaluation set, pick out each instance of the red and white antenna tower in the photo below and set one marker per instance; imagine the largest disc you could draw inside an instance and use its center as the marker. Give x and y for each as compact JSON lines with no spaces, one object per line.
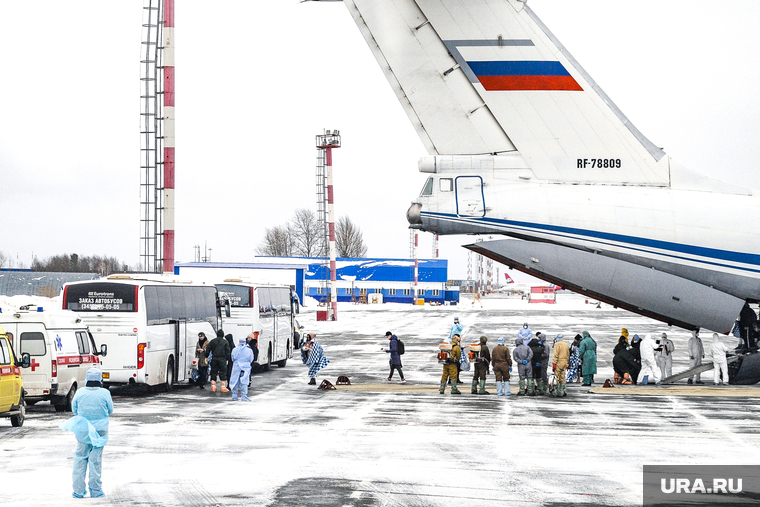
{"x":157,"y":137}
{"x":325,"y":144}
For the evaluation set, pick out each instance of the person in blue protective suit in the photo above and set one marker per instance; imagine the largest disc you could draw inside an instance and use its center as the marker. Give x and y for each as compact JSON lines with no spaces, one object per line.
{"x":522,"y":356}
{"x":456,"y":330}
{"x":242,"y":357}
{"x":91,"y":407}
{"x":525,"y":333}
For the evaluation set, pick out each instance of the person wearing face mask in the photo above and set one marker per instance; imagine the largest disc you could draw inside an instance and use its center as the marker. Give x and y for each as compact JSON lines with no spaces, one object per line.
{"x":525,"y":333}
{"x":664,"y":356}
{"x":696,"y":354}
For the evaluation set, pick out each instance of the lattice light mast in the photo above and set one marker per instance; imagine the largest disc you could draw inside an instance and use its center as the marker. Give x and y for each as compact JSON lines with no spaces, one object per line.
{"x":327,"y":141}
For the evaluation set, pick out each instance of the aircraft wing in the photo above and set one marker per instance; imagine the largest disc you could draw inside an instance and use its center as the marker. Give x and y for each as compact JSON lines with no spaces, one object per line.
{"x":487,"y":77}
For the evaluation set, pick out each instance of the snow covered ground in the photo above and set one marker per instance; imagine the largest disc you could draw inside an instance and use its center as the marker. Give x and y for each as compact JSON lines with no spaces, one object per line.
{"x":294,"y":445}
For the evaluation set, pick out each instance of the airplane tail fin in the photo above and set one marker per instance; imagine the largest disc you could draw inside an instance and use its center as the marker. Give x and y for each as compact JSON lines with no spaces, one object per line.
{"x":486,"y":77}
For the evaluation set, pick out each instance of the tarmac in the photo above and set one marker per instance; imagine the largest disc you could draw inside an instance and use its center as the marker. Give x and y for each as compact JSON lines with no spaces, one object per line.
{"x":375,"y":443}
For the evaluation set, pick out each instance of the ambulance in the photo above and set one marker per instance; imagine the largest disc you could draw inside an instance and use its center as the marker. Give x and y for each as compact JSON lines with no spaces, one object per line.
{"x":61,"y":350}
{"x":11,"y":384}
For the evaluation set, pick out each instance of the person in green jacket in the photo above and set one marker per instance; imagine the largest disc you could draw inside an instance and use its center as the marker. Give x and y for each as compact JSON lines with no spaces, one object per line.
{"x":587,"y":353}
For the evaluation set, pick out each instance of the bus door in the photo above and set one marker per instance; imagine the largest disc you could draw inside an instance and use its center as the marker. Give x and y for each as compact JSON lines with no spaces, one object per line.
{"x":180,"y":350}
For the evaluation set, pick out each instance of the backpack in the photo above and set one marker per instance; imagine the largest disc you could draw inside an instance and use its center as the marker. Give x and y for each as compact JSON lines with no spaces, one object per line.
{"x":399,"y":346}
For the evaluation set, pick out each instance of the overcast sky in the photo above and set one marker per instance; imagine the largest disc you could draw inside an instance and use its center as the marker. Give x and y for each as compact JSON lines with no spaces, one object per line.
{"x":257,"y":80}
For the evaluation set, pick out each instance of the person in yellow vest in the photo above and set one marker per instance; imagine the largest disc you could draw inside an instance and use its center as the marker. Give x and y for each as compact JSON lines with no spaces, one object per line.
{"x":450,"y":367}
{"x":560,"y":364}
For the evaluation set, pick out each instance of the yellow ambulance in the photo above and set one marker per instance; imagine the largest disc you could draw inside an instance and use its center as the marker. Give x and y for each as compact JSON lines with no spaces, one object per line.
{"x":11,"y":386}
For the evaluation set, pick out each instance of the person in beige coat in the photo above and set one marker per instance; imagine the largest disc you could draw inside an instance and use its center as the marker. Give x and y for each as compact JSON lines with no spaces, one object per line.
{"x":560,"y":364}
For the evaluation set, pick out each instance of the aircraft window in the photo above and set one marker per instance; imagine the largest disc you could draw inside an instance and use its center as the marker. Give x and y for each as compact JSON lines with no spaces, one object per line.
{"x":447,"y":184}
{"x":428,"y":188}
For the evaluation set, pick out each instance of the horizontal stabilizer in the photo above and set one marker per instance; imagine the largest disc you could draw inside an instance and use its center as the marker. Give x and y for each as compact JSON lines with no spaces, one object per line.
{"x":662,"y":296}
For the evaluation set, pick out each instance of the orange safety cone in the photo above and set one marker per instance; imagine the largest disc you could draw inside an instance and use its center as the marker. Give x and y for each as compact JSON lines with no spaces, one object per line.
{"x":607,"y":383}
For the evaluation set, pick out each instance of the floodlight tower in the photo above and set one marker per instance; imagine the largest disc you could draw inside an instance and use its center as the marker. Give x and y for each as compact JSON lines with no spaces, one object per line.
{"x":325,"y":144}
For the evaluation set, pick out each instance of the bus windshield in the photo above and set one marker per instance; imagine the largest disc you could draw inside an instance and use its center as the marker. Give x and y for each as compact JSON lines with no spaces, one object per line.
{"x":100,"y":297}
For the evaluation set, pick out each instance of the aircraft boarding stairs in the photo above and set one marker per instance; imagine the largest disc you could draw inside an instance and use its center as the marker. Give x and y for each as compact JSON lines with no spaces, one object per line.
{"x":693,"y":371}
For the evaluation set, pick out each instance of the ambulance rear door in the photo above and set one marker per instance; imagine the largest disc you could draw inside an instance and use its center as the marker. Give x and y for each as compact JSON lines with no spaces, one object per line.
{"x":32,"y":338}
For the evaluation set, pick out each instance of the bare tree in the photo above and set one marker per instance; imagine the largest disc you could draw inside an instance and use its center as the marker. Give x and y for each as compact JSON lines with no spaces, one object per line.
{"x":74,"y":263}
{"x":4,"y":260}
{"x":306,"y":234}
{"x":277,"y":242}
{"x":349,"y":241}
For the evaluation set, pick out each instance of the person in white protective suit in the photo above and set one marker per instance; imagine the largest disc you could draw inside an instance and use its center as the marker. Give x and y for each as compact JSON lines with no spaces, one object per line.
{"x":696,"y":354}
{"x":664,"y":356}
{"x":718,"y":351}
{"x":242,"y":357}
{"x":649,"y":373}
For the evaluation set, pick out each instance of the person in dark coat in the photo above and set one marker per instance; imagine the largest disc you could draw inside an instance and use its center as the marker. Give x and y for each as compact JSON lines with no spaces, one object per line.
{"x":624,"y":363}
{"x":482,"y":362}
{"x":231,"y":343}
{"x":395,"y":360}
{"x":219,"y":350}
{"x":200,"y":353}
{"x":537,"y":364}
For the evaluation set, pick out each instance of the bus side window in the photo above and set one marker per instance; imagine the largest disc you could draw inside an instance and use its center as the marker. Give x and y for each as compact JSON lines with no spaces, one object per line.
{"x":446,"y":184}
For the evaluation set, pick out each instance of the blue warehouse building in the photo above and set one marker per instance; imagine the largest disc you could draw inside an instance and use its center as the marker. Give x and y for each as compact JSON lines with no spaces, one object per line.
{"x":358,"y":279}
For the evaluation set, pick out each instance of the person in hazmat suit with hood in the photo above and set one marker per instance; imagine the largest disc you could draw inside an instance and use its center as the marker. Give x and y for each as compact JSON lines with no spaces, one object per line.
{"x":242,"y":357}
{"x":450,"y":367}
{"x":502,"y":366}
{"x":650,"y":373}
{"x":525,"y":333}
{"x":696,"y":354}
{"x":91,"y":407}
{"x":523,"y":357}
{"x":560,"y":362}
{"x":587,"y":351}
{"x":718,"y":351}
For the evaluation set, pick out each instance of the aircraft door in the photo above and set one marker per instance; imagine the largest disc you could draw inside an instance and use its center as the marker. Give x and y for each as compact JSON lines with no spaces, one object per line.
{"x":470,"y":200}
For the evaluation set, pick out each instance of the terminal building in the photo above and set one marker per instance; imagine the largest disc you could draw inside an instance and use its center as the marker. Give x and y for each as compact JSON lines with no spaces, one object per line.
{"x":357,"y":280}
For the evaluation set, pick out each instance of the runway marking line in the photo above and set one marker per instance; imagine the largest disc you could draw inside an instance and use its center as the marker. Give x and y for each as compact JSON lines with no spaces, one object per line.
{"x":682,"y":391}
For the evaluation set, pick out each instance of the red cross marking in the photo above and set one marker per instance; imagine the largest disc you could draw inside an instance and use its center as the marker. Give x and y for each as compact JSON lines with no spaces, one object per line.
{"x":34,"y":364}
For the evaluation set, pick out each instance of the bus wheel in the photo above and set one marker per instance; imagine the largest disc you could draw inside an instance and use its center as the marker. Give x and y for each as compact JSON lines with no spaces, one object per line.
{"x":282,"y":363}
{"x":169,"y":384}
{"x":268,"y":365}
{"x":18,"y":420}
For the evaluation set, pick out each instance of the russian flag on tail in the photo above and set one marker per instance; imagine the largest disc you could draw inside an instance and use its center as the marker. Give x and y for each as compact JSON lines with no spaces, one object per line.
{"x":524,"y":76}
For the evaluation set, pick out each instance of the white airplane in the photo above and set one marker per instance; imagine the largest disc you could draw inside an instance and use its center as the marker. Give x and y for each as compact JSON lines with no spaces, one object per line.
{"x":504,"y":110}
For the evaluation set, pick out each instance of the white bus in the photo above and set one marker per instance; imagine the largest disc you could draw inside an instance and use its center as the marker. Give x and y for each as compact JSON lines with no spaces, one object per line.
{"x":150,"y":325}
{"x":264,"y":310}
